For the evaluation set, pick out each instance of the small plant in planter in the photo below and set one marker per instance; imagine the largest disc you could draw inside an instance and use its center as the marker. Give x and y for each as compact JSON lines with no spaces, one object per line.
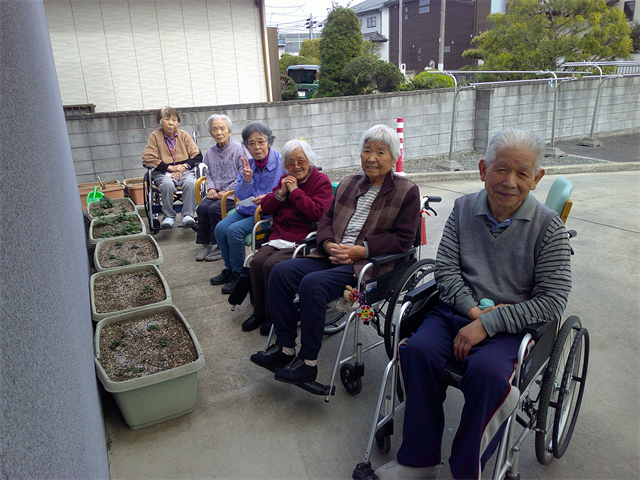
{"x":135,"y":249}
{"x":107,"y":206}
{"x":148,"y":360}
{"x":119,"y":225}
{"x":127,"y":288}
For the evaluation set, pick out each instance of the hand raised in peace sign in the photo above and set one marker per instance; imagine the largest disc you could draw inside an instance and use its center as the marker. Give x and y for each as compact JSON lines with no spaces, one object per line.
{"x":247,"y":173}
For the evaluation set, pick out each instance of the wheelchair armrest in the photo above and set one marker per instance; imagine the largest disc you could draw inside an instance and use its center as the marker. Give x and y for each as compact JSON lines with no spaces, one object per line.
{"x":382,"y":259}
{"x":536,"y":330}
{"x":423,"y":291}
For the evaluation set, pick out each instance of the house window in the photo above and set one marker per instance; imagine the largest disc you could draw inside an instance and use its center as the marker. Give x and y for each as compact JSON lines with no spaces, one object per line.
{"x":424,"y":3}
{"x":447,"y":49}
{"x":419,"y":50}
{"x":419,"y":58}
{"x":424,"y":9}
{"x":371,"y":22}
{"x":406,"y":17}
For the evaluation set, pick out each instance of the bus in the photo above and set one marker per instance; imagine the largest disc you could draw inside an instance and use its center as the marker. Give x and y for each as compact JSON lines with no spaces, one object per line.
{"x":306,"y":79}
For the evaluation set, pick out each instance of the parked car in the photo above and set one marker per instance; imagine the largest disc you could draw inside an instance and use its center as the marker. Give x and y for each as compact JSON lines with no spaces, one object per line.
{"x":306,"y":78}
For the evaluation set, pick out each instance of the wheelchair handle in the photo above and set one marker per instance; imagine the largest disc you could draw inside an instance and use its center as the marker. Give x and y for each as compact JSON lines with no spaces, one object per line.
{"x":425,"y":203}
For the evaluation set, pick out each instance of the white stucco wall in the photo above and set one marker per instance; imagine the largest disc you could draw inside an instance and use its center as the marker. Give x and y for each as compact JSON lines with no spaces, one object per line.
{"x":137,"y":55}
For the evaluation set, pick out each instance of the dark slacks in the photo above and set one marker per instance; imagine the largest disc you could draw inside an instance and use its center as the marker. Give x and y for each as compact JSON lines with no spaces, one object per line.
{"x":261,"y":265}
{"x":489,"y":396}
{"x":317,"y":281}
{"x":209,"y":214}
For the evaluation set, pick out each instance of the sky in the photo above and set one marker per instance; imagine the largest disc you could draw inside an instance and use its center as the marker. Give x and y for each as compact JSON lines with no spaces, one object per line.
{"x":290,"y":15}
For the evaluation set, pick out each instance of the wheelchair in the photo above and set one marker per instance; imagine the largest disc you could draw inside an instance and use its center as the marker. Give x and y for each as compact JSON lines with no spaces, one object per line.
{"x":153,"y":200}
{"x":382,"y":296}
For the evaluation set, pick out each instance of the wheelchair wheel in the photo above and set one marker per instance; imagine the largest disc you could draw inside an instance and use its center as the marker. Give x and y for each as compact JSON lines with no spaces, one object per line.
{"x":335,"y":321}
{"x":151,"y":198}
{"x":418,"y":274}
{"x":351,"y":382}
{"x":560,"y":397}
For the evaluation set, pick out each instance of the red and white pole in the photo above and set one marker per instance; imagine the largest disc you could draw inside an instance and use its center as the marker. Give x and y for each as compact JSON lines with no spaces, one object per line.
{"x":400,"y":131}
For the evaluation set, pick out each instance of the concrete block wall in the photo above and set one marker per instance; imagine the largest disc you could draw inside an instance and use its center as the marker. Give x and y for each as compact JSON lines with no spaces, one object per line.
{"x":110,"y":145}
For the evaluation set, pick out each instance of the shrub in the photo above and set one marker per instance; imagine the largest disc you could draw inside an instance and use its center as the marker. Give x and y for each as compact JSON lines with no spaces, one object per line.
{"x":288,"y":87}
{"x":428,"y":80}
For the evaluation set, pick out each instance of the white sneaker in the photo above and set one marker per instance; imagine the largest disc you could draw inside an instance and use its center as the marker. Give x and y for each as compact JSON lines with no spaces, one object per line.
{"x":188,"y":221}
{"x":204,"y":251}
{"x":394,"y":471}
{"x":167,"y":222}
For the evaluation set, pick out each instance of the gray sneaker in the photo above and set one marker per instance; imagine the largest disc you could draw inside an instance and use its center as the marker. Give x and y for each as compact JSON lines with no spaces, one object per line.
{"x":214,"y":255}
{"x":204,"y":251}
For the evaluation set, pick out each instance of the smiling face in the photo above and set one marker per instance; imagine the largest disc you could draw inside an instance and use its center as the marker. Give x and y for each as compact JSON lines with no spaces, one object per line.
{"x":258,"y":146}
{"x":220,"y":132}
{"x":376,"y":161}
{"x":297,"y":164}
{"x":169,"y":124}
{"x":509,"y":179}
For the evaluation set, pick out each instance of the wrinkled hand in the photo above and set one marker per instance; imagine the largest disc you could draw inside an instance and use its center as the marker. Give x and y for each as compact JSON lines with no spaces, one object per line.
{"x":220,"y":194}
{"x":258,"y":199}
{"x":468,"y":336}
{"x":290,"y":182}
{"x":212,"y":194}
{"x":247,"y":173}
{"x":340,"y":254}
{"x":177,"y":175}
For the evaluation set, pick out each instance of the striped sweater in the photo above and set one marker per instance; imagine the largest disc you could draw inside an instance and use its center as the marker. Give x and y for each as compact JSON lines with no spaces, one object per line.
{"x":527,"y":265}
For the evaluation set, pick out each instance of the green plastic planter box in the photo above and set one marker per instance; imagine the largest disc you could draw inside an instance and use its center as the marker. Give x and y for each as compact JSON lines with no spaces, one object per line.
{"x":96,"y":316}
{"x":94,"y":241}
{"x":155,"y":398}
{"x":116,"y":201}
{"x":140,"y":236}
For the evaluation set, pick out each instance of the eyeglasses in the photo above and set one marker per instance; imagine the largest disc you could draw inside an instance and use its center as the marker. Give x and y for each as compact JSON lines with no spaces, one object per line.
{"x":253,"y":143}
{"x":298,"y":161}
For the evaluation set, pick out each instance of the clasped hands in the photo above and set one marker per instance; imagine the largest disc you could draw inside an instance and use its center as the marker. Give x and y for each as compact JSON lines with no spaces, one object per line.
{"x":341,"y":254}
{"x":289,"y":184}
{"x":177,"y":170}
{"x":471,"y":334}
{"x":213,"y":194}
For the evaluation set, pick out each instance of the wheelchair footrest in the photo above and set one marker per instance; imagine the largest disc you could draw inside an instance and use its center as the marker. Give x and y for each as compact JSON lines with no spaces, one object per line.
{"x":363,"y":472}
{"x":312,"y":387}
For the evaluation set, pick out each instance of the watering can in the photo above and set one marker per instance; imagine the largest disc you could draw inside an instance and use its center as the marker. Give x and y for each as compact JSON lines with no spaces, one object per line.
{"x":94,"y":196}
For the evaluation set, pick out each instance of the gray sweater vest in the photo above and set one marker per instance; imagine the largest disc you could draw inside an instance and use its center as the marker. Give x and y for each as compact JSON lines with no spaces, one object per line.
{"x":501,"y":268}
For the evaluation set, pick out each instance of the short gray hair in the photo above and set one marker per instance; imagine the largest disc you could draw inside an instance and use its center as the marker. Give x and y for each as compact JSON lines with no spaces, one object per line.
{"x":384,"y":134}
{"x":219,"y":116}
{"x":259,"y":127}
{"x":292,"y":145}
{"x":515,"y":139}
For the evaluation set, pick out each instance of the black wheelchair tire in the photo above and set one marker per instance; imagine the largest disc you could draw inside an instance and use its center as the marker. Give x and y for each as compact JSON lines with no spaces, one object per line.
{"x":419,"y":273}
{"x":571,"y":391}
{"x":551,"y":381}
{"x":383,"y":443}
{"x":335,"y":321}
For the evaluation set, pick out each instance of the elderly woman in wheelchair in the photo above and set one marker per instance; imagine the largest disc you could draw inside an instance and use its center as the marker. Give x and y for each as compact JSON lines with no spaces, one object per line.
{"x":500,"y":247}
{"x":173,"y":156}
{"x":372,"y":214}
{"x":259,"y":176}
{"x":302,"y":197}
{"x":223,"y":161}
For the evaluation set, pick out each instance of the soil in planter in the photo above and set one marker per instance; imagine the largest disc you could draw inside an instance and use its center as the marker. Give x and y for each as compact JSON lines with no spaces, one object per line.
{"x":126,"y":252}
{"x":122,"y":291}
{"x":106,"y":206}
{"x":117,"y":226}
{"x":146,"y":345}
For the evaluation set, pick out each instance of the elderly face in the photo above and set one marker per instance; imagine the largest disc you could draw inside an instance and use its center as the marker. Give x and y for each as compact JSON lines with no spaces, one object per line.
{"x":169,"y":124}
{"x":258,"y":146}
{"x":297,"y":164}
{"x":376,"y":161}
{"x":220,"y":132}
{"x":508,"y":180}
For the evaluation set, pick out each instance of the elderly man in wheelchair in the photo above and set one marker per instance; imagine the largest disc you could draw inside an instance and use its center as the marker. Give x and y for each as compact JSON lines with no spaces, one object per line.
{"x":502,"y":265}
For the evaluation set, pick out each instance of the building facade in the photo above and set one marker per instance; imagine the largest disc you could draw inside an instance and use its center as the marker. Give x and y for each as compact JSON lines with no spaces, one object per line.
{"x":374,"y":23}
{"x":122,"y":55}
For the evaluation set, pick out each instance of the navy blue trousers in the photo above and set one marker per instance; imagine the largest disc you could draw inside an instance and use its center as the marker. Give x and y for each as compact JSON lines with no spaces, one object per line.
{"x":317,"y":281}
{"x":489,"y":396}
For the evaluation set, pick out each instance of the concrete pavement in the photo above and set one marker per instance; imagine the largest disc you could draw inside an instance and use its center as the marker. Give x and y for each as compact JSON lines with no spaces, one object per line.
{"x":248,"y":426}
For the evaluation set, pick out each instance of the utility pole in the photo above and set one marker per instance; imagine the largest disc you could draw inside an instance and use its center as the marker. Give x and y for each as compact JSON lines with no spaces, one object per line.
{"x":400,"y":15}
{"x":443,"y":9}
{"x":310,"y":23}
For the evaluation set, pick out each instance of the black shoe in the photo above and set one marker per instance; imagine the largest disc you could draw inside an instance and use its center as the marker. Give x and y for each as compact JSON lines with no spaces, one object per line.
{"x":231,"y":284}
{"x":222,"y":278}
{"x":272,"y":357}
{"x":265,"y":328}
{"x":297,"y":372}
{"x":253,"y":322}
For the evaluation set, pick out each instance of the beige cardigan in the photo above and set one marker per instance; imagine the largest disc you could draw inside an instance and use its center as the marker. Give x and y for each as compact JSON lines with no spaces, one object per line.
{"x":156,"y":154}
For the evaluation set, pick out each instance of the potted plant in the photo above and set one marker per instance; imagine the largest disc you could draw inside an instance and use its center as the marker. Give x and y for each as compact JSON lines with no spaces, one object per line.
{"x":133,"y":250}
{"x":125,"y":289}
{"x":134,"y":189}
{"x":109,"y":207}
{"x":149,"y":361}
{"x":110,"y":188}
{"x":119,"y":225}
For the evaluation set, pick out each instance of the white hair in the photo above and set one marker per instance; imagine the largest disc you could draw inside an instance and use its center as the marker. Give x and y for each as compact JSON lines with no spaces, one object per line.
{"x":515,"y":139}
{"x":289,"y":148}
{"x":219,"y":116}
{"x":384,"y":134}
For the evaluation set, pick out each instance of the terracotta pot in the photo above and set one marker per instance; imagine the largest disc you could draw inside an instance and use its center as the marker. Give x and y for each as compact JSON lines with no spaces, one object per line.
{"x":134,"y":189}
{"x":113,"y":189}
